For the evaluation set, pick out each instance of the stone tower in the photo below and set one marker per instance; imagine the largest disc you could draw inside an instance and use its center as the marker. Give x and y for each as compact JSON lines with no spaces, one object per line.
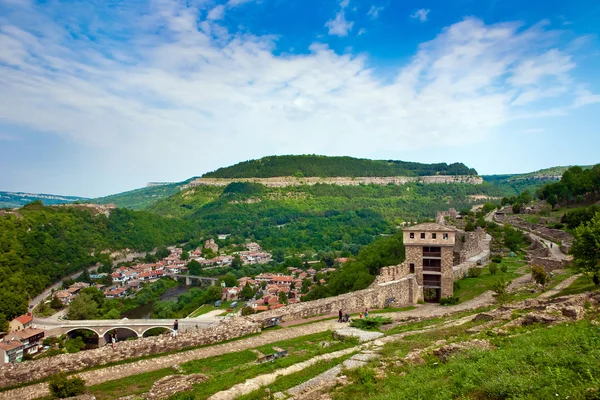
{"x":429,"y":254}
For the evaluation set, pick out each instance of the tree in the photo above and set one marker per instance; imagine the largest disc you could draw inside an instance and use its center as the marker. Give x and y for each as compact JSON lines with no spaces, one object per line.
{"x":184,"y":255}
{"x":469,"y":227}
{"x":539,"y":275}
{"x":237,"y":262}
{"x":230,"y":280}
{"x":279,"y":255}
{"x":283,"y":299}
{"x":247,"y":292}
{"x":194,"y":268}
{"x":214,"y":293}
{"x":83,"y":307}
{"x":162,"y":252}
{"x":56,"y":304}
{"x":552,"y":200}
{"x":13,"y":305}
{"x":586,"y":247}
{"x":85,"y":276}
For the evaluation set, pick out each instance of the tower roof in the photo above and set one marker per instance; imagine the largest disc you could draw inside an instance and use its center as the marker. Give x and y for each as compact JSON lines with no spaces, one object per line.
{"x":430,"y":227}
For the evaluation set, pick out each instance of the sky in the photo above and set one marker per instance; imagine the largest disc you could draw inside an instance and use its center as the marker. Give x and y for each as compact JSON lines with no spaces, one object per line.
{"x":101,"y":96}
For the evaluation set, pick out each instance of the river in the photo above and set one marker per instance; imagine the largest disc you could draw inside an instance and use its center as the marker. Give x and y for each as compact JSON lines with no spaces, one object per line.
{"x":144,"y":312}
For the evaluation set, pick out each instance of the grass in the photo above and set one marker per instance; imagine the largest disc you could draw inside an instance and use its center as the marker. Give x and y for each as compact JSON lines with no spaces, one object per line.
{"x":470,"y":288}
{"x":210,"y":307}
{"x":581,"y":285}
{"x":391,"y":309}
{"x":225,"y":370}
{"x":555,"y":362}
{"x":289,"y":381}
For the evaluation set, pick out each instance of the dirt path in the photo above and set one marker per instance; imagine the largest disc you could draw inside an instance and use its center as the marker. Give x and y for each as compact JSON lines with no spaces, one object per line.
{"x":556,"y":289}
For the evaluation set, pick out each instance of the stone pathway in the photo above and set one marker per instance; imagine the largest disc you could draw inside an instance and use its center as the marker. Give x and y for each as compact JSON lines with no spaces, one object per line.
{"x":564,"y":284}
{"x":519,"y":282}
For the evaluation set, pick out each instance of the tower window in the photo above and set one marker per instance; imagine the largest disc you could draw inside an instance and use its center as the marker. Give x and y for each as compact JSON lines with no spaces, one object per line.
{"x":423,"y":235}
{"x":412,"y":235}
{"x":433,"y":235}
{"x":412,"y":268}
{"x":445,"y":236}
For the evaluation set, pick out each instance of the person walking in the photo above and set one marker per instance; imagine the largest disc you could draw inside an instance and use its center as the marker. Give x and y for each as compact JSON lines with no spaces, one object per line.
{"x":366,"y":312}
{"x":360,"y":315}
{"x":113,"y":339}
{"x":175,"y":328}
{"x":340,"y":315}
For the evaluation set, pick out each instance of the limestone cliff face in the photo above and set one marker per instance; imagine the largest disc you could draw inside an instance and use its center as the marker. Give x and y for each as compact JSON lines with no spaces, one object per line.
{"x":284,"y":181}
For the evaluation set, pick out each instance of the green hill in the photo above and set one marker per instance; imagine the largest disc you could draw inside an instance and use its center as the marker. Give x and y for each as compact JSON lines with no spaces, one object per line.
{"x":140,"y":199}
{"x":323,"y":166}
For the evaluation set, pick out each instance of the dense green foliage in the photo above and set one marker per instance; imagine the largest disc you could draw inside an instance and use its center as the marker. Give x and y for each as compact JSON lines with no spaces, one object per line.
{"x":576,"y":183}
{"x":586,"y":247}
{"x":323,"y":166}
{"x":62,"y":386}
{"x":312,"y":218}
{"x":576,"y":217}
{"x":16,"y":200}
{"x":370,"y":323}
{"x":40,"y":245}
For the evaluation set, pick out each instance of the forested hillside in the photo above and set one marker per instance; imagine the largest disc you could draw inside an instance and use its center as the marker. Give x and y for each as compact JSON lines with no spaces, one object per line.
{"x":314,"y":217}
{"x":39,"y":245}
{"x":322,"y":166}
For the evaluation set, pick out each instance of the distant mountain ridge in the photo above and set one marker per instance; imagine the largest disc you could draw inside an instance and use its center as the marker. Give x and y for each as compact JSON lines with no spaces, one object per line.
{"x":324,"y":166}
{"x":19,"y":199}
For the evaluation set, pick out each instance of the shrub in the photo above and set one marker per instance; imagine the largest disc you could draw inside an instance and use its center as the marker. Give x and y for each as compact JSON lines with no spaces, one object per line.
{"x":500,"y":286}
{"x":474,"y":272}
{"x":497,"y":259}
{"x":449,"y":301}
{"x":370,"y":323}
{"x":493,"y":267}
{"x":62,"y":387}
{"x":540,"y":275}
{"x":247,"y":311}
{"x":456,"y":286}
{"x":504,"y":268}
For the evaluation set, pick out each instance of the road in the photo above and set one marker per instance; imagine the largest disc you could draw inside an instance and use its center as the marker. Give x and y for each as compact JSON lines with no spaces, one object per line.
{"x":38,"y":299}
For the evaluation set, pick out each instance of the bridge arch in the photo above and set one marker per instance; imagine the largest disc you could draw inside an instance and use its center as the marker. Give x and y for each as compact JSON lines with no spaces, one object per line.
{"x":122,"y":333}
{"x":81,"y":328}
{"x":166,"y":328}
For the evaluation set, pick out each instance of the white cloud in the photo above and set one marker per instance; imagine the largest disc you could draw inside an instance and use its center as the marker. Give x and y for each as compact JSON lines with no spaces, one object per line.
{"x":188,"y":101}
{"x":374,"y":11}
{"x":235,"y":3}
{"x":339,"y":26}
{"x":421,"y":14}
{"x":216,"y":13}
{"x":361,"y":31}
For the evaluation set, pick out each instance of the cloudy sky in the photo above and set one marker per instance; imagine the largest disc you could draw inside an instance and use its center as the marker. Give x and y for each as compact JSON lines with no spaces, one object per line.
{"x":102,"y":96}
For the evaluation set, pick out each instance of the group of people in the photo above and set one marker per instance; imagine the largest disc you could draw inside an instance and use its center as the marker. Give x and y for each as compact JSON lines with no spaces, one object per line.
{"x":345,"y":317}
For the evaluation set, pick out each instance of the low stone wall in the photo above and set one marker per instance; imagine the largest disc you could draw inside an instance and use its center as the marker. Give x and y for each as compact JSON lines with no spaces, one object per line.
{"x":13,"y":374}
{"x":460,"y":271}
{"x":548,"y":263}
{"x":391,"y":274}
{"x":403,"y":291}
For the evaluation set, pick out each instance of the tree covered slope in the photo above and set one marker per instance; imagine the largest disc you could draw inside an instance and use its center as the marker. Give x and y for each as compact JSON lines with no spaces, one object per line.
{"x":19,"y":199}
{"x":323,"y":166}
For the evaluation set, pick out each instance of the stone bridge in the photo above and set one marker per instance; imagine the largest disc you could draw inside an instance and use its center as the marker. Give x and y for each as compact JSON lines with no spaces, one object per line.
{"x":124,"y":328}
{"x":190,"y":278}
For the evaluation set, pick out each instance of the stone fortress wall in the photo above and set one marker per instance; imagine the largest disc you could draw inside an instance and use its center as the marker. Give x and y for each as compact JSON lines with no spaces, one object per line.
{"x":283,"y":181}
{"x":469,"y":244}
{"x":14,"y":374}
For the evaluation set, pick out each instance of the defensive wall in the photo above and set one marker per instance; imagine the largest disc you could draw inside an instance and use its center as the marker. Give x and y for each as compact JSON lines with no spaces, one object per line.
{"x":555,"y":235}
{"x":14,"y":374}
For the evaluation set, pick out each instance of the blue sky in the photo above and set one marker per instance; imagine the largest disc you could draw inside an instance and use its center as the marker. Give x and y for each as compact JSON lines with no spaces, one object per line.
{"x":102,"y":96}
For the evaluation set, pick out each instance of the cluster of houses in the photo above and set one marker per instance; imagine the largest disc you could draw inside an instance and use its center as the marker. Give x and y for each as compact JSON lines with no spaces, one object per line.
{"x":22,"y":339}
{"x":271,"y":285}
{"x":253,"y":254}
